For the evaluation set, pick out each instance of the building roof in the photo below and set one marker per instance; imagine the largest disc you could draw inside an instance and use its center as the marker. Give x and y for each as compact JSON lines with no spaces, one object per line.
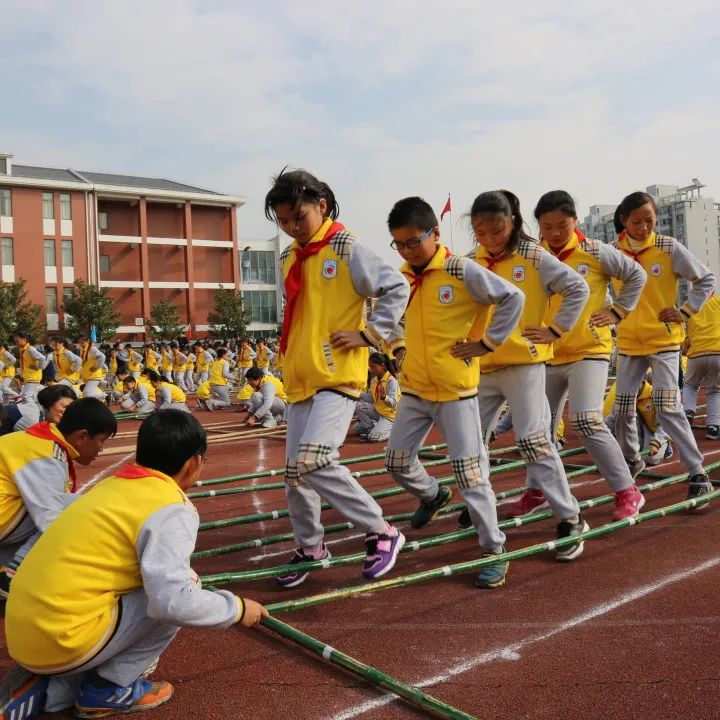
{"x":110,"y":181}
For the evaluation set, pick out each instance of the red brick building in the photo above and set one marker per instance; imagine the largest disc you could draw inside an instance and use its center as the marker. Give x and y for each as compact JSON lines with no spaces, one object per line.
{"x":144,"y":238}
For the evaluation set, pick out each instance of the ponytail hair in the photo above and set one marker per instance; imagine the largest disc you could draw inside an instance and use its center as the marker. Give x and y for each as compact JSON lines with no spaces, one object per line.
{"x":294,"y":187}
{"x":507,"y":204}
{"x":629,"y":203}
{"x":378,"y":358}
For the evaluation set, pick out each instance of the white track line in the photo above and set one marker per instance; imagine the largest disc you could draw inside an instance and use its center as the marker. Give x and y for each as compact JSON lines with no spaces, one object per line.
{"x":512,"y":651}
{"x":104,"y":473}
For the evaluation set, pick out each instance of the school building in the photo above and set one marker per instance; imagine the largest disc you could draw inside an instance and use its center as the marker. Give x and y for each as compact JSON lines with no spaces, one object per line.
{"x":143,"y":238}
{"x":683,"y":212}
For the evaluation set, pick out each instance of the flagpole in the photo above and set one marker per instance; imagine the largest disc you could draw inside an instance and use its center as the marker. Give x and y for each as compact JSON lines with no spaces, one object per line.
{"x":452,"y":247}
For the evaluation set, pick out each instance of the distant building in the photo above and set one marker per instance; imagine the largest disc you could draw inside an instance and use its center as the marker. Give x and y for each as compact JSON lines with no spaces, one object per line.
{"x":259,"y":276}
{"x":144,"y":238}
{"x":683,"y":212}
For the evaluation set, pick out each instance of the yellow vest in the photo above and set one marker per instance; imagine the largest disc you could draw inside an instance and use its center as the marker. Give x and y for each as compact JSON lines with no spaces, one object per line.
{"x":583,"y":340}
{"x":643,"y":404}
{"x":17,"y":450}
{"x":380,"y":406}
{"x":190,"y":365}
{"x":176,"y":394}
{"x":202,"y":391}
{"x":150,"y":361}
{"x":521,"y":268}
{"x":703,"y":329}
{"x":216,"y":373}
{"x":244,"y":360}
{"x":279,"y":389}
{"x":641,"y":333}
{"x":262,"y":358}
{"x":112,"y":365}
{"x":148,"y":386}
{"x":27,"y":364}
{"x":64,"y":602}
{"x":245,"y":392}
{"x":63,"y":369}
{"x":440,"y":314}
{"x":327,"y":302}
{"x":202,"y":361}
{"x":8,"y":370}
{"x":177,"y":365}
{"x":89,"y":371}
{"x":133,"y":361}
{"x":165,"y":361}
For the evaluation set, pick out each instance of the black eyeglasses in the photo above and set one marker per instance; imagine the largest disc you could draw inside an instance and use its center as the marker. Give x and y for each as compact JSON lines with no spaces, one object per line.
{"x":410,"y":244}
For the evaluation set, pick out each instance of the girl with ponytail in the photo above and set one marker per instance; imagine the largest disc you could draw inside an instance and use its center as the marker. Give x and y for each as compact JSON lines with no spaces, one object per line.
{"x":515,"y":370}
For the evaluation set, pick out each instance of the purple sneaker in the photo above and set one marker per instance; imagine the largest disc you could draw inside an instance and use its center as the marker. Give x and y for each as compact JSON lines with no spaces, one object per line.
{"x":382,"y":551}
{"x":299,"y":576}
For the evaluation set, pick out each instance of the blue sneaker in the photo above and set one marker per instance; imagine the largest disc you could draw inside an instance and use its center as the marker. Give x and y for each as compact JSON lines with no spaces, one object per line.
{"x":93,"y":702}
{"x":22,"y":694}
{"x":493,"y":576}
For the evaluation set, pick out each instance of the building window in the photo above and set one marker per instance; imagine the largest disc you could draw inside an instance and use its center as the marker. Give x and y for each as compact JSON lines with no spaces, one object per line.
{"x":48,"y":206}
{"x":65,"y":207}
{"x":8,"y":252}
{"x":67,"y":253}
{"x":50,"y":253}
{"x":51,"y":304}
{"x":6,"y":203}
{"x":262,"y":305}
{"x":3,"y":166}
{"x":104,"y":263}
{"x":102,"y":220}
{"x":67,"y":294}
{"x":258,"y":266}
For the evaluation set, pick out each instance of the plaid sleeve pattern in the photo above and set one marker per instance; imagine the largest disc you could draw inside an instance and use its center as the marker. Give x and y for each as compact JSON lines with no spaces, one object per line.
{"x":534,"y":447}
{"x":665,"y":243}
{"x":285,"y":254}
{"x":665,"y":400}
{"x":455,"y":266}
{"x":531,"y":251}
{"x":313,"y":456}
{"x":292,"y":476}
{"x":591,"y":247}
{"x":467,"y":472}
{"x":625,"y":404}
{"x":397,"y":460}
{"x":587,"y":423}
{"x":342,"y":244}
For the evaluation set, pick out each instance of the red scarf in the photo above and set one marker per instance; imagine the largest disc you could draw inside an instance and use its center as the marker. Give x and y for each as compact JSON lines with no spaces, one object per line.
{"x":493,"y":261}
{"x":293,"y":281}
{"x":563,"y":255}
{"x":42,"y":430}
{"x":635,"y":256}
{"x":133,"y":471}
{"x":416,"y":280}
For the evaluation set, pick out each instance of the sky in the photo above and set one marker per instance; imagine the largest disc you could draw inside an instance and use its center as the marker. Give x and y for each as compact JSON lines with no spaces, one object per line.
{"x":381,"y":99}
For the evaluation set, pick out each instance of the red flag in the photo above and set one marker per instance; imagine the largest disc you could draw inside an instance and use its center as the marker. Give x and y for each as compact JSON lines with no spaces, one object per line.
{"x":446,"y":209}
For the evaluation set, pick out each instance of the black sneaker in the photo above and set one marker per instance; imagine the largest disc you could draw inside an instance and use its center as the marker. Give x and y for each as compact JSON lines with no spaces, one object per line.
{"x":294,"y":579}
{"x":464,"y":520}
{"x":567,"y":529}
{"x":4,"y":583}
{"x":699,"y":486}
{"x":690,"y":415}
{"x":635,"y":466}
{"x":428,"y":510}
{"x":713,"y":432}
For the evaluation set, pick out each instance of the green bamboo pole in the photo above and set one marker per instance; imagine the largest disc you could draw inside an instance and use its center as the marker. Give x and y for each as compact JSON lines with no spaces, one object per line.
{"x":338,"y":527}
{"x":474,"y":565}
{"x":376,"y":677}
{"x":389,"y":492}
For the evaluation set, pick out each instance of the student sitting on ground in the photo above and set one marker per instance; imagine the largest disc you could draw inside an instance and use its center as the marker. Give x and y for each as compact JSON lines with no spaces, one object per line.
{"x":105,"y":590}
{"x":167,"y":395}
{"x":135,"y":398}
{"x":268,"y":401}
{"x":37,"y":476}
{"x":377,"y":408}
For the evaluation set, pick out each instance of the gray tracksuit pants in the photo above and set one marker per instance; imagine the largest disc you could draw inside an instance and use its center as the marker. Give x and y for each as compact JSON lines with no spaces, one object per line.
{"x":703,"y":370}
{"x":523,"y":386}
{"x":372,"y":423}
{"x":666,"y":398}
{"x":459,"y":422}
{"x":220,"y":395}
{"x":585,"y":382}
{"x":316,"y":428}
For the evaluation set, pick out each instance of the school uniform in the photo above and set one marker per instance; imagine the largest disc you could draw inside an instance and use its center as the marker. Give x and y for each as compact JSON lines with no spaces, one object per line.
{"x":326,"y":291}
{"x":375,"y":414}
{"x":36,"y":478}
{"x":109,"y":584}
{"x":269,"y":402}
{"x":134,"y":363}
{"x":264,"y":358}
{"x":202,"y":366}
{"x":515,"y":371}
{"x":151,"y":359}
{"x":445,"y":301}
{"x":190,"y":372}
{"x":7,"y":373}
{"x":137,"y":400}
{"x":166,"y":365}
{"x":67,"y":367}
{"x":581,"y":356}
{"x":170,"y":396}
{"x":32,"y":363}
{"x":220,"y":379}
{"x":246,"y":356}
{"x":645,"y":341}
{"x":179,"y":365}
{"x":703,"y":368}
{"x":92,"y":371}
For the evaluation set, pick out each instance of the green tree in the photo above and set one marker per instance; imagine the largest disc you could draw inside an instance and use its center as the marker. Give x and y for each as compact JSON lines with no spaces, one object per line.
{"x":90,"y":305}
{"x":19,"y":313}
{"x":164,"y":323}
{"x":230,"y":318}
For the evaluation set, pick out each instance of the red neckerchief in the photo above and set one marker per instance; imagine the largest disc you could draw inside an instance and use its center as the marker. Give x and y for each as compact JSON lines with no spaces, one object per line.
{"x":293,"y":281}
{"x":84,"y":353}
{"x":22,"y":355}
{"x":563,"y":255}
{"x":133,"y":471}
{"x":415,"y":280}
{"x":635,"y":256}
{"x":378,"y":382}
{"x":42,"y":430}
{"x":493,"y":261}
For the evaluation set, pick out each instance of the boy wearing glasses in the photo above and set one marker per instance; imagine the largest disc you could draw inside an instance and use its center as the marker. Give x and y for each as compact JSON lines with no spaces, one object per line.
{"x":109,"y":584}
{"x":440,"y":373}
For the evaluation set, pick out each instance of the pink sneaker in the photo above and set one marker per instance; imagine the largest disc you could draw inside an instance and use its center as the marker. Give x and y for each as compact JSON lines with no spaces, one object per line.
{"x":530,"y":501}
{"x":628,"y":503}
